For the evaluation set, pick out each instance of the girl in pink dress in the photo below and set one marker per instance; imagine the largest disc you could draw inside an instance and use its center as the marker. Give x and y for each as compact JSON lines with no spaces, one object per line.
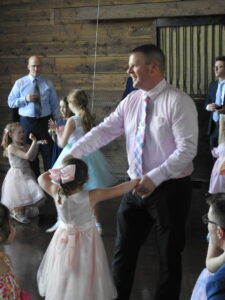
{"x":75,"y":265}
{"x":20,"y":190}
{"x":9,"y":286}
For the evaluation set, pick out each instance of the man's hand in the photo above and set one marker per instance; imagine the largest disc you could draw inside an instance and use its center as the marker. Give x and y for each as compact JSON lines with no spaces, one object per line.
{"x":31,"y":97}
{"x":145,"y":187}
{"x":211,"y":107}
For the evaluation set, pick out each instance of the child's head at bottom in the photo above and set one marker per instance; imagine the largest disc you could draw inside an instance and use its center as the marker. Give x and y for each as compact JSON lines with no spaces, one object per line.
{"x":6,"y":229}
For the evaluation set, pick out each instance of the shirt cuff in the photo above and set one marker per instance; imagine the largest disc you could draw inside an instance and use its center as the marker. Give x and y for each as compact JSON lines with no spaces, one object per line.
{"x":157,"y":176}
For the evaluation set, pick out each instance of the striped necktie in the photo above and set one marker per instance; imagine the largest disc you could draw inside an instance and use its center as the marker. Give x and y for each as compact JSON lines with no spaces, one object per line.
{"x":139,"y":140}
{"x":38,"y":101}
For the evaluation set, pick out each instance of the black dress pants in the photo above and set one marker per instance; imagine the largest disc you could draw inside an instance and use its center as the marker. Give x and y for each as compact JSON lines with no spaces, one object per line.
{"x":166,"y":208}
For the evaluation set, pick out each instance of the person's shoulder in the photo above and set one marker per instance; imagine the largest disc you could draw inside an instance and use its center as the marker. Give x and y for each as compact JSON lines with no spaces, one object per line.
{"x":213,"y":84}
{"x":215,"y":286}
{"x":10,"y":148}
{"x":176,"y":93}
{"x":46,"y":80}
{"x":21,"y":80}
{"x":132,"y":96}
{"x":221,"y":272}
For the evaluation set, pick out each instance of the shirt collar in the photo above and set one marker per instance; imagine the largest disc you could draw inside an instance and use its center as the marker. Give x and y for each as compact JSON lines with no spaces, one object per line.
{"x":221,"y":81}
{"x":153,"y":93}
{"x":32,"y":78}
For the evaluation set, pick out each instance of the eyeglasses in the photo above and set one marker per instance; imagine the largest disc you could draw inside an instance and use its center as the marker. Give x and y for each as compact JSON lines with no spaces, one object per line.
{"x":206,"y":220}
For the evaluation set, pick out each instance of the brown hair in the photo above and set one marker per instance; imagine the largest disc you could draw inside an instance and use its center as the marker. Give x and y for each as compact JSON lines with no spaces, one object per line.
{"x":79,"y":98}
{"x":80,"y":177}
{"x":6,"y":139}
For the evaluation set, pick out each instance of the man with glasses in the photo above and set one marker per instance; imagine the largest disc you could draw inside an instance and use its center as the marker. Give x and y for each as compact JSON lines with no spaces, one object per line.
{"x":215,"y":102}
{"x":215,"y":219}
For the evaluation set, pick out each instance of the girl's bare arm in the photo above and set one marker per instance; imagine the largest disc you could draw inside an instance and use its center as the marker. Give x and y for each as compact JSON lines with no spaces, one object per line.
{"x":63,"y":135}
{"x":111,"y":192}
{"x":46,"y":184}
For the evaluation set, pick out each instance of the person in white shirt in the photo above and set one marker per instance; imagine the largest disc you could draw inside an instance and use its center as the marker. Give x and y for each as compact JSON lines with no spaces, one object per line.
{"x":162,"y":197}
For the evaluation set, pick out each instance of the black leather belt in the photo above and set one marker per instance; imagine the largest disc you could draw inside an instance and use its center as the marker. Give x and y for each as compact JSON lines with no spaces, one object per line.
{"x":35,"y":118}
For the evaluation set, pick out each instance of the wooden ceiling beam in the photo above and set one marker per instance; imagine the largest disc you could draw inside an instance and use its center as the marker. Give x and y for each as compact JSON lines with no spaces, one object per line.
{"x":151,"y":10}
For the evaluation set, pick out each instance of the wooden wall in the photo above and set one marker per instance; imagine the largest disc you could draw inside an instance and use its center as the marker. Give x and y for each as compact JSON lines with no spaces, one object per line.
{"x":63,"y":32}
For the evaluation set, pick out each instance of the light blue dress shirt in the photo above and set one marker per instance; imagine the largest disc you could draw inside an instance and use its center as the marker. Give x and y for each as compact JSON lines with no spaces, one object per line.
{"x":25,"y":86}
{"x":220,"y":93}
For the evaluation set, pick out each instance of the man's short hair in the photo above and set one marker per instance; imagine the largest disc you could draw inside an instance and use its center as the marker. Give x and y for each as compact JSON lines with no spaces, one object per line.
{"x":151,"y":53}
{"x":220,"y":58}
{"x":217,"y":204}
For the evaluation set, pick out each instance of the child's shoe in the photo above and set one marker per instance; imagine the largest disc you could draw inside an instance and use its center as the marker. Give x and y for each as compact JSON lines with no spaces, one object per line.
{"x":19,"y":217}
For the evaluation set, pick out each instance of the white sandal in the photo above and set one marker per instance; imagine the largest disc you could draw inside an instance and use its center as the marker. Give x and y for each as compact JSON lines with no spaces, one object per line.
{"x":19,"y":217}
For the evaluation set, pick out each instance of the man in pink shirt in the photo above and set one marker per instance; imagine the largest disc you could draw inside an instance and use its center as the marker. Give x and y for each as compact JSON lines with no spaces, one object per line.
{"x":162,"y":197}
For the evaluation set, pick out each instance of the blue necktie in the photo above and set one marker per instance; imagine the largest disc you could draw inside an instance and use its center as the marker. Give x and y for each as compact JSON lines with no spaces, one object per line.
{"x":219,"y":102}
{"x":38,"y":102}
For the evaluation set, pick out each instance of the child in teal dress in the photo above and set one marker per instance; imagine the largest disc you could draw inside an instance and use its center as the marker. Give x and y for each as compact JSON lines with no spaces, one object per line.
{"x":76,"y":126}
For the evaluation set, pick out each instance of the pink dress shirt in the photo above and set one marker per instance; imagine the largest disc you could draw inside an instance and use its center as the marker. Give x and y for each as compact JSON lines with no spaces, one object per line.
{"x":171,"y":132}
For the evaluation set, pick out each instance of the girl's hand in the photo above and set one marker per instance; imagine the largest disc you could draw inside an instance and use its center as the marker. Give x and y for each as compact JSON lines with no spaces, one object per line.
{"x":52,"y":124}
{"x":32,"y":137}
{"x":42,"y":142}
{"x":145,"y":187}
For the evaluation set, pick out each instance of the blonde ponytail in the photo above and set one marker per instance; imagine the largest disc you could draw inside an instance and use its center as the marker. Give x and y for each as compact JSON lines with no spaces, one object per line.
{"x":79,"y":98}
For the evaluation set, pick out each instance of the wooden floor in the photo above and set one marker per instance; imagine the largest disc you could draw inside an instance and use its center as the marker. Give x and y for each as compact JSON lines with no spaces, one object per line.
{"x":31,"y":242}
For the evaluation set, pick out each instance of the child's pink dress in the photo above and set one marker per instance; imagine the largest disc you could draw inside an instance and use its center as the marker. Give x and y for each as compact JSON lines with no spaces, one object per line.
{"x":217,"y":181}
{"x":9,"y":287}
{"x":75,"y":265}
{"x":20,"y":187}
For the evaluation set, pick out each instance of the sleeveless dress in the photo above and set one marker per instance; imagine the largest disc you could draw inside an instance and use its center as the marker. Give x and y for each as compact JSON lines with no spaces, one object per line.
{"x":75,"y":264}
{"x":9,"y":287}
{"x":98,"y":168}
{"x":217,"y":181}
{"x":20,"y":187}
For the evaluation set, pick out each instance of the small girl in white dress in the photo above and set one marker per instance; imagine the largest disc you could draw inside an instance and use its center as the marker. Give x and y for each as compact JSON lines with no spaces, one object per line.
{"x":75,"y":264}
{"x":20,"y":189}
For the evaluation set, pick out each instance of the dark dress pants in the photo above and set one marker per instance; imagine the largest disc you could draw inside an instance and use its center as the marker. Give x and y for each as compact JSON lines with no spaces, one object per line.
{"x":166,"y":208}
{"x":214,"y":136}
{"x":39,"y":127}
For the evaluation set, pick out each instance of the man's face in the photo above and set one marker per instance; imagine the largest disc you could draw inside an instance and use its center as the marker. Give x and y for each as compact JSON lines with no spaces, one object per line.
{"x":212,"y":228}
{"x":139,"y":71}
{"x":219,"y":69}
{"x":34,"y":66}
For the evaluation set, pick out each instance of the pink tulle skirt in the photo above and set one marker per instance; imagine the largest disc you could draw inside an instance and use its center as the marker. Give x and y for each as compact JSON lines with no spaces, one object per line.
{"x":75,"y":266}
